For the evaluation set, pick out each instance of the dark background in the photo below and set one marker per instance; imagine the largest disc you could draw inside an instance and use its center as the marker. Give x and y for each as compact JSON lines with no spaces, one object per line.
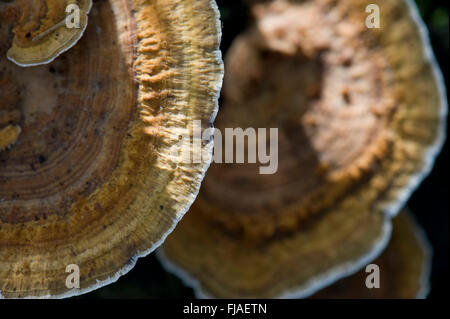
{"x":430,"y":203}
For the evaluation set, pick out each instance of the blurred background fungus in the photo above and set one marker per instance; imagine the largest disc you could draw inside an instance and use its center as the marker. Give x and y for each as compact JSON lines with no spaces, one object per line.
{"x":429,"y":203}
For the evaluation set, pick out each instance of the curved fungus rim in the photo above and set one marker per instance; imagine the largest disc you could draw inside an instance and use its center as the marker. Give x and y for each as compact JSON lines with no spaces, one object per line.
{"x":434,"y":149}
{"x":309,"y":288}
{"x":406,"y":229}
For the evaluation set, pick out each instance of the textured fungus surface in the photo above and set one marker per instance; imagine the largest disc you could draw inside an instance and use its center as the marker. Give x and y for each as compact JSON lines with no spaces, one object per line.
{"x":360,"y":114}
{"x":40,"y":30}
{"x":404,"y":268}
{"x":95,"y":178}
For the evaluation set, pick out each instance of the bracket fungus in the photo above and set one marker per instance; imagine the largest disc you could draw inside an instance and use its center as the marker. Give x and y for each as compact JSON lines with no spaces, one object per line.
{"x":360,"y":114}
{"x":404,"y":268}
{"x":95,"y":178}
{"x":41,"y":32}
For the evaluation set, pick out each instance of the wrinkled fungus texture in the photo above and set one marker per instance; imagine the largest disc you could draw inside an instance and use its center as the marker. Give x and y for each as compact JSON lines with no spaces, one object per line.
{"x":95,"y":178}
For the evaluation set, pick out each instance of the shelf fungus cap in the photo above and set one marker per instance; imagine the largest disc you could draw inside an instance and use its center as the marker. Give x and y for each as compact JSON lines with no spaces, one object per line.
{"x":360,"y":115}
{"x":98,"y":175}
{"x":44,"y":29}
{"x":403,"y":268}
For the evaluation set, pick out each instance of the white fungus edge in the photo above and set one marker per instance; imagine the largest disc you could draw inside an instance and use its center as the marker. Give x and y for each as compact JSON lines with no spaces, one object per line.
{"x":58,"y":54}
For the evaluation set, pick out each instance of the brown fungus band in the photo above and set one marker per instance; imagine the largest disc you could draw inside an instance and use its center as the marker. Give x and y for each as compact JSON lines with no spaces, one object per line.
{"x":360,"y":116}
{"x":94,"y":179}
